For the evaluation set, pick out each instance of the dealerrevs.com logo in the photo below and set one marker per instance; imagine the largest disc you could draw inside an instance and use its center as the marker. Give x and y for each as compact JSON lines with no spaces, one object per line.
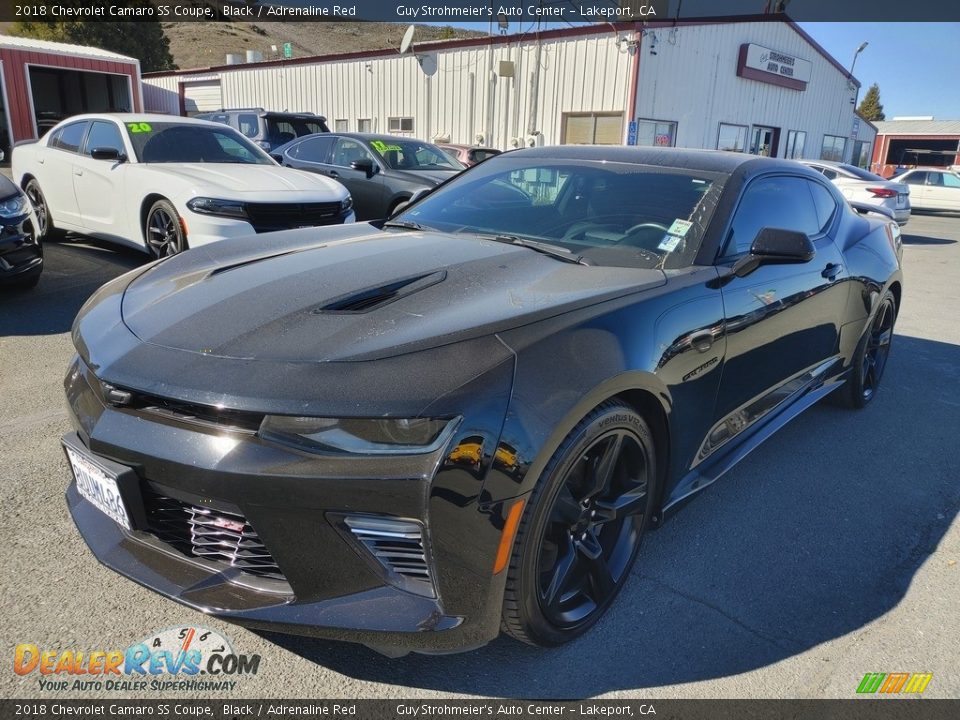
{"x":894,"y":683}
{"x":184,"y":658}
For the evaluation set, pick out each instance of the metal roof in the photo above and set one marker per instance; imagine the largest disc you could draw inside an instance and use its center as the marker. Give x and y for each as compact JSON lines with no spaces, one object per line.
{"x":918,"y":127}
{"x":58,"y":48}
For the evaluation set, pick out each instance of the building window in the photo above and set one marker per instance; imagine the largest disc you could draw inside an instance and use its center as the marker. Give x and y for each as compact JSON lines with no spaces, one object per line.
{"x":400,"y":125}
{"x":732,"y":137}
{"x":861,"y":154}
{"x":833,"y":147}
{"x":363,"y":125}
{"x":341,"y":126}
{"x":796,"y":139}
{"x":662,"y":133}
{"x":602,"y":128}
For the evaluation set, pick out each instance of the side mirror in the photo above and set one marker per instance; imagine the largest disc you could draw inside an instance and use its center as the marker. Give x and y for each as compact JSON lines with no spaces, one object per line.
{"x":365,"y":165}
{"x":775,"y":246}
{"x":107,"y":153}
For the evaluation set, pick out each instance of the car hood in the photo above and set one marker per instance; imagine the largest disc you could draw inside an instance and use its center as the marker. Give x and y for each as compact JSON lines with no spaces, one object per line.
{"x":242,"y":180}
{"x":356,"y":293}
{"x":428,"y":178}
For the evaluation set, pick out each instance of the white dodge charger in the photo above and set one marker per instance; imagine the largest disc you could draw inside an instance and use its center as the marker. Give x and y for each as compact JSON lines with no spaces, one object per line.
{"x":164,"y":183}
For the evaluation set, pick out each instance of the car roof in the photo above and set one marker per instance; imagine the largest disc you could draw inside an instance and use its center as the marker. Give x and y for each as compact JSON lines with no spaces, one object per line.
{"x":720,"y":161}
{"x":137,"y":117}
{"x":378,"y":136}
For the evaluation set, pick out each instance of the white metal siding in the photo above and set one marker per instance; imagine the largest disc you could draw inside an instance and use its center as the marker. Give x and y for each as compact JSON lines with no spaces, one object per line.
{"x":693,"y":81}
{"x":160,"y":95}
{"x":204,"y":96}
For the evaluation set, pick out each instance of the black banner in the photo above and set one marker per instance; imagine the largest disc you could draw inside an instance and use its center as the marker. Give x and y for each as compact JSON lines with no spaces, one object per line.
{"x":558,"y":12}
{"x":888,"y":709}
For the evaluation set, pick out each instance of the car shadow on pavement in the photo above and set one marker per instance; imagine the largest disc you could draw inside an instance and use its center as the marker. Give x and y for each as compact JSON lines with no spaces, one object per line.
{"x":73,"y":269}
{"x":924,"y":240}
{"x":818,"y":533}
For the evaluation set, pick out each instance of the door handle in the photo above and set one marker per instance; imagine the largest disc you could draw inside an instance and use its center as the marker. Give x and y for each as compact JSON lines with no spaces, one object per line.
{"x":334,"y":173}
{"x":831,"y":271}
{"x":701,"y":341}
{"x":78,"y":173}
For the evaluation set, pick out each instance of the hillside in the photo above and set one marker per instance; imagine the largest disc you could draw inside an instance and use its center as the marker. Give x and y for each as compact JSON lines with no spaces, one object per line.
{"x":197,"y":45}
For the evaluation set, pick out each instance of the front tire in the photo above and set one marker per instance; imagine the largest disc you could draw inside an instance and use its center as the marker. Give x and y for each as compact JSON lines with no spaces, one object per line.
{"x":163,"y":230}
{"x":582,"y":527}
{"x":870,"y":359}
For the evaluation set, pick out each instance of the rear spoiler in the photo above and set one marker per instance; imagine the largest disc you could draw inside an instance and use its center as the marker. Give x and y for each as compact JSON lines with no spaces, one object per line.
{"x":864,"y":208}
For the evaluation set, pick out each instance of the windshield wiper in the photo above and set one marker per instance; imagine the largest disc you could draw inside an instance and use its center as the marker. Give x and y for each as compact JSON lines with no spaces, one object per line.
{"x":554,"y":251}
{"x":405,"y":225}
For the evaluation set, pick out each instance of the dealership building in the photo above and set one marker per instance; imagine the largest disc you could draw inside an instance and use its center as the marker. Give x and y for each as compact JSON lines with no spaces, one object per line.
{"x":753,"y":84}
{"x":42,"y":82}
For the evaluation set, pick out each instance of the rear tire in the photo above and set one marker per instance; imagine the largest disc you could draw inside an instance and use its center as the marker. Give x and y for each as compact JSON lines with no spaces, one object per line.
{"x":46,"y":230}
{"x":870,"y":359}
{"x":163,"y":230}
{"x":581,"y":530}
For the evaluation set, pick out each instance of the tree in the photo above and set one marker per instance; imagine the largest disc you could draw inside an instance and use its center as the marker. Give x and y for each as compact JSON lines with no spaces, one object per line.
{"x":870,"y":107}
{"x":144,"y":39}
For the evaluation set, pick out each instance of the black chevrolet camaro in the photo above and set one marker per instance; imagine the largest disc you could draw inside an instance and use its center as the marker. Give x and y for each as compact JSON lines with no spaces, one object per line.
{"x":413,"y":435}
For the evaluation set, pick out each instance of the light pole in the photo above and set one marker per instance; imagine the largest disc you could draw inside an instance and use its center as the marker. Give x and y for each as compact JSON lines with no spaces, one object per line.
{"x":860,"y":49}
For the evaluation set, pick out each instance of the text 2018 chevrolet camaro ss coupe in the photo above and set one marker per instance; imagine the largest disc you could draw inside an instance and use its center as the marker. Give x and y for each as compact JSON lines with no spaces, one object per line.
{"x":407,"y":436}
{"x":163,"y":184}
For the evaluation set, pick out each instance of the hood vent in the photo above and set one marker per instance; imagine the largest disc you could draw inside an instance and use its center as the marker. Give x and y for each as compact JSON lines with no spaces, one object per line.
{"x":376,"y":297}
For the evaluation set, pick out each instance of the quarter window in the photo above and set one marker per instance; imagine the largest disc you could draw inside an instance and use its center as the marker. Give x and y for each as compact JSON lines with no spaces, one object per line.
{"x":732,"y":137}
{"x":776,"y":202}
{"x":824,"y":202}
{"x":249,"y":124}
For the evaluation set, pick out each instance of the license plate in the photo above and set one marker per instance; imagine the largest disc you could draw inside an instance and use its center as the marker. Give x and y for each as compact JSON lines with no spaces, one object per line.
{"x":99,"y":487}
{"x":901,"y":200}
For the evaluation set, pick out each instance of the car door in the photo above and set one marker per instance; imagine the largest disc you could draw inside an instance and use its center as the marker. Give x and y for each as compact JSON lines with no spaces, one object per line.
{"x":917,"y":180}
{"x":782,"y":320}
{"x":56,"y":174}
{"x":97,"y":184}
{"x":942,"y":190}
{"x":368,"y":192}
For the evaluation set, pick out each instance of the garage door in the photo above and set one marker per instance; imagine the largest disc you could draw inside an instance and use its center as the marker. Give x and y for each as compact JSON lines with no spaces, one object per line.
{"x":201,"y":97}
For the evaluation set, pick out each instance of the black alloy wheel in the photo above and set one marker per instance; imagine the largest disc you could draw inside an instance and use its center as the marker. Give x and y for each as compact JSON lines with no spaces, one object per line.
{"x":164,"y":231}
{"x":582,"y":528}
{"x":45,"y":229}
{"x":871,"y":357}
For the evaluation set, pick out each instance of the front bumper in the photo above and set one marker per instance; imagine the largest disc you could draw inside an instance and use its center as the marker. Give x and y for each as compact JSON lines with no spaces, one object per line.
{"x":330,"y":586}
{"x":21,"y":254}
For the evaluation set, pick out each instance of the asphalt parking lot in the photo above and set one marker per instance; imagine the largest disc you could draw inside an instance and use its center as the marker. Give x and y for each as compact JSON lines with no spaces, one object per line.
{"x":829,"y":552}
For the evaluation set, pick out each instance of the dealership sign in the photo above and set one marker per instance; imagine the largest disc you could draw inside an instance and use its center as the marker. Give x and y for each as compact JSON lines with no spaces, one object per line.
{"x":772,"y":66}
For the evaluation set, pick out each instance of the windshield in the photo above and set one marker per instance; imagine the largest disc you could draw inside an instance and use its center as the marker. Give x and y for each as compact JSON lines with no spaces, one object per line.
{"x":413,"y":155}
{"x":171,"y":142}
{"x":282,"y":129}
{"x":609,"y":213}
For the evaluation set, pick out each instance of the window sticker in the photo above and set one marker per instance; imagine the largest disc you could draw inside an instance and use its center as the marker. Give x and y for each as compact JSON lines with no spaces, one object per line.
{"x":381,"y":147}
{"x":139,"y":127}
{"x":669,"y":243}
{"x":680,"y":228}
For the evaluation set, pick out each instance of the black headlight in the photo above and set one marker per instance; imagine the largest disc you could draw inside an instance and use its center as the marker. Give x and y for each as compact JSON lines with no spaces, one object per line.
{"x":345,"y":205}
{"x":221,"y":208}
{"x":375,"y":436}
{"x":14,"y":206}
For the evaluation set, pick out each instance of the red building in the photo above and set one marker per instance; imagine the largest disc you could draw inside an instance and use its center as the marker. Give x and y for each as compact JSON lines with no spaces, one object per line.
{"x":915,"y":142}
{"x":42,"y":82}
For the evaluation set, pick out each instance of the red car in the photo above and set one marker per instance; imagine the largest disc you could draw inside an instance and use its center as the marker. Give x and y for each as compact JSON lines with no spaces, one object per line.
{"x":469,"y":155}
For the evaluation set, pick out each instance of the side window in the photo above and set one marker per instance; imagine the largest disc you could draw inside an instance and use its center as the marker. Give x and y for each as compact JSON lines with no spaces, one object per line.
{"x":916,"y":178}
{"x":313,"y":149}
{"x":348,"y":150}
{"x":54,"y":138}
{"x":248,"y":124}
{"x":829,"y":174}
{"x":774,"y":202}
{"x":824,"y":203}
{"x":103,"y":135}
{"x":951,"y":181}
{"x":71,"y":136}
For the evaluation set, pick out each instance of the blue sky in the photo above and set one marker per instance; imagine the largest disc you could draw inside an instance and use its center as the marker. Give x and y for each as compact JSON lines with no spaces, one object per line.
{"x":917,"y":65}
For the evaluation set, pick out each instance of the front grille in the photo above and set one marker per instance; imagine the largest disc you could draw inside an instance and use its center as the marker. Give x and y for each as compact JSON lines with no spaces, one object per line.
{"x":267,"y":217}
{"x":397,"y":545}
{"x":214,"y":535}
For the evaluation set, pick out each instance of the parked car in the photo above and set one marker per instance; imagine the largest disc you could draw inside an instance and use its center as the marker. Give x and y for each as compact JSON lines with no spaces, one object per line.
{"x":933,"y":188}
{"x":413,"y":435}
{"x":863,"y":186}
{"x":382,"y":172}
{"x":164,"y":184}
{"x":21,"y":254}
{"x":469,"y":155}
{"x":267,"y":128}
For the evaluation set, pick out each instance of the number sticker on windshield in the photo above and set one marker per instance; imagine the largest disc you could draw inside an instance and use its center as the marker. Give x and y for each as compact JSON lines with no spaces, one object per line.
{"x":139,"y":127}
{"x":381,"y":147}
